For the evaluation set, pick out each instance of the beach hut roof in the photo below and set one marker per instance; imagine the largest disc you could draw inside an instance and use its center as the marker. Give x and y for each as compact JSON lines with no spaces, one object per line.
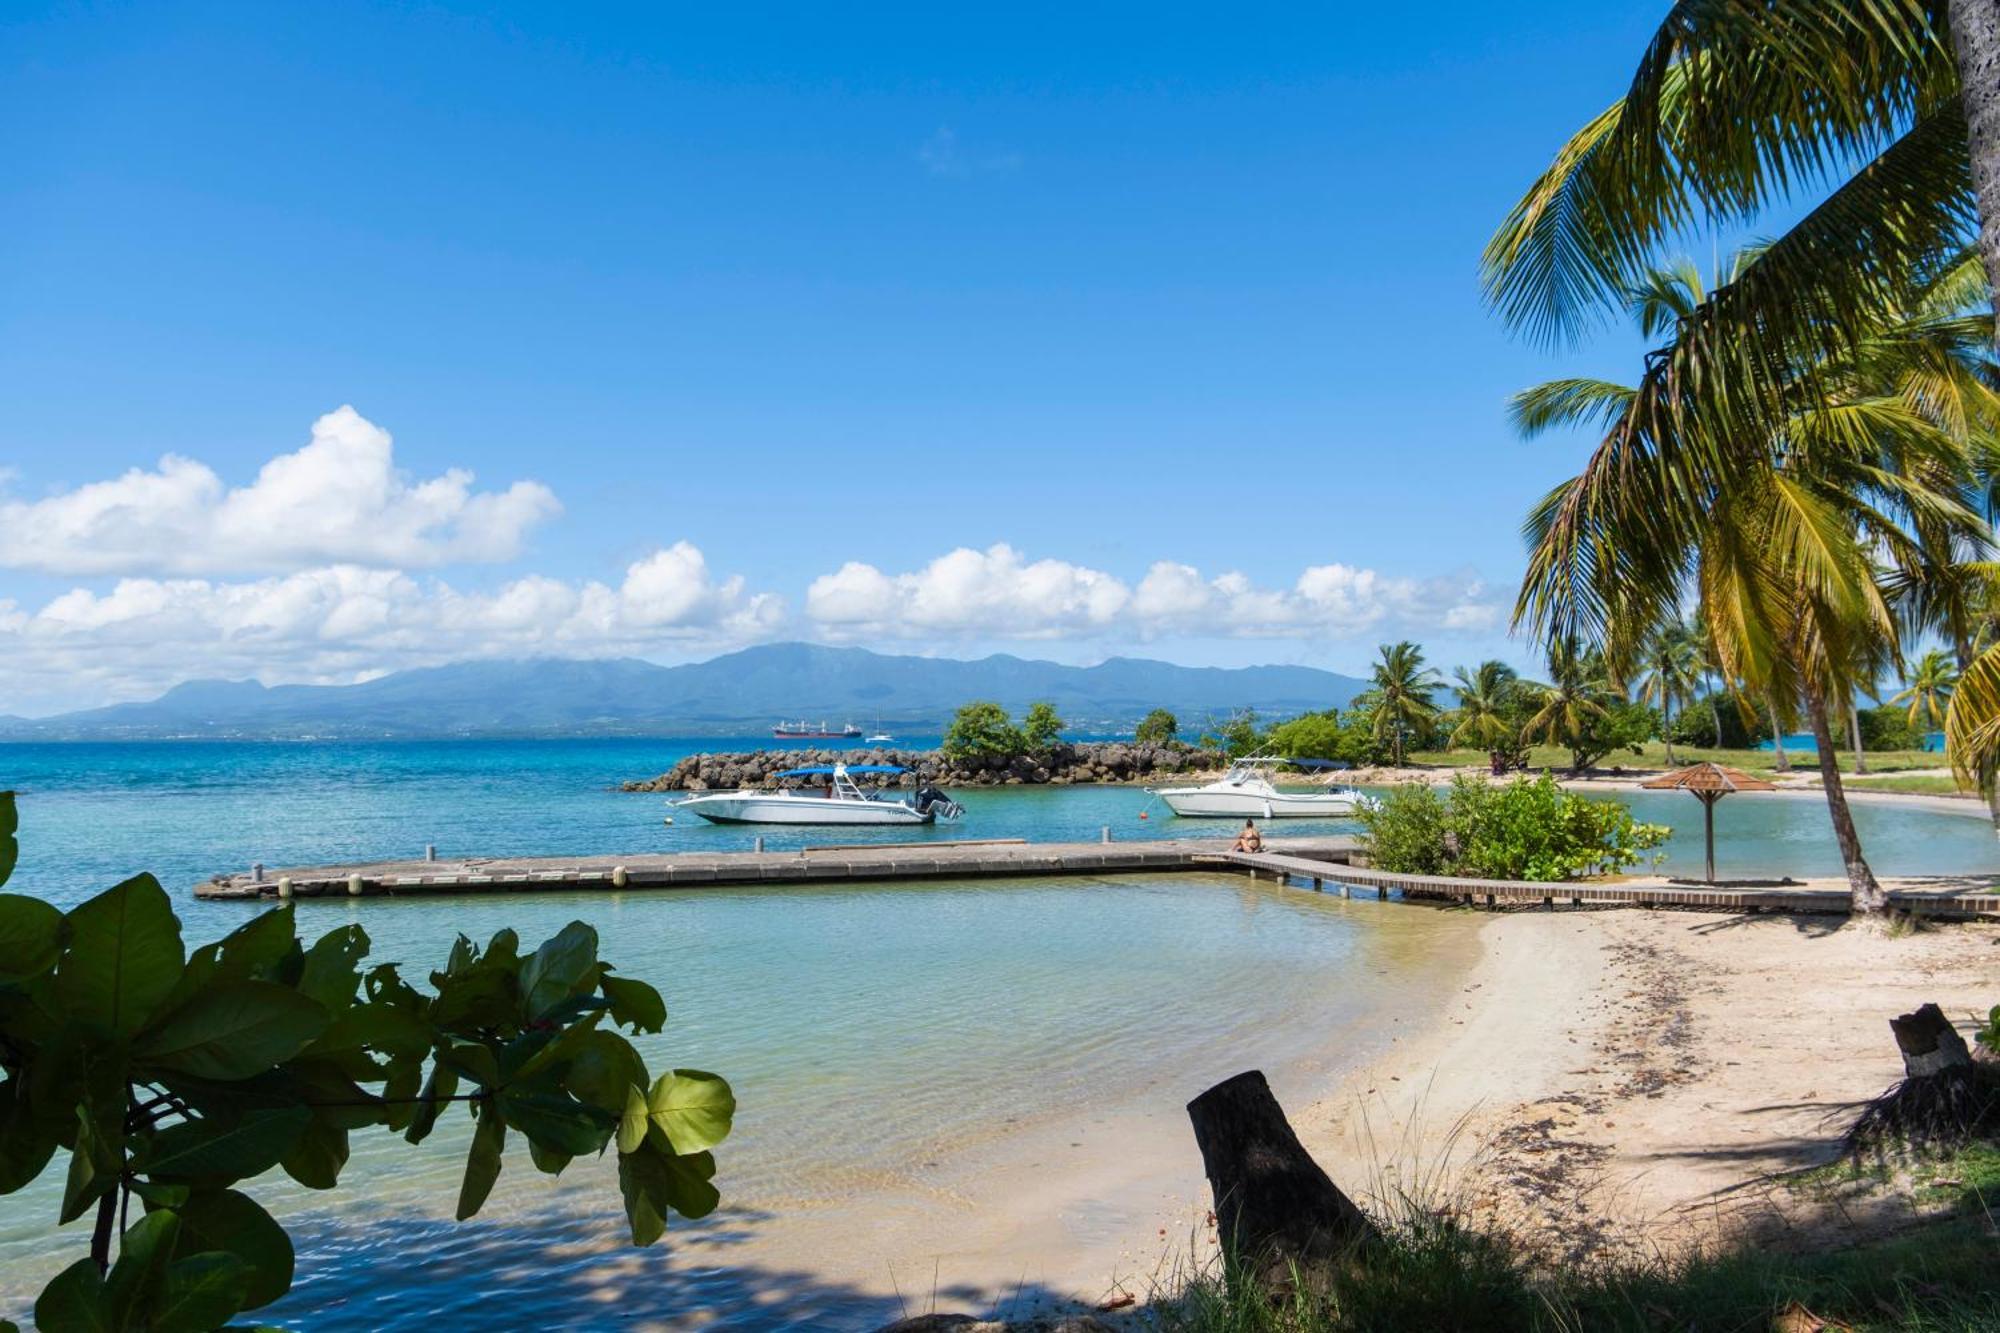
{"x":1708,"y":778}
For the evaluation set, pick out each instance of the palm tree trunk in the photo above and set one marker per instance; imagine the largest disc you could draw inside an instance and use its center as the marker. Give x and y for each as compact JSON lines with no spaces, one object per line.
{"x":1854,"y":735}
{"x":1667,"y":733}
{"x":1975,"y":40}
{"x":1784,"y":765}
{"x":1865,"y":895}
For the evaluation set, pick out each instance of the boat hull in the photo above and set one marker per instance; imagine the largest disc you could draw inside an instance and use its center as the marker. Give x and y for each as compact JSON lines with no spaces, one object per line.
{"x":769,"y":808}
{"x":1198,"y":803}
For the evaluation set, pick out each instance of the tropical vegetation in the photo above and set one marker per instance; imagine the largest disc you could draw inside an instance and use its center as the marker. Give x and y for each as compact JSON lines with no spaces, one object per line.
{"x":1527,"y":829}
{"x":172,"y":1076}
{"x":1403,"y":690}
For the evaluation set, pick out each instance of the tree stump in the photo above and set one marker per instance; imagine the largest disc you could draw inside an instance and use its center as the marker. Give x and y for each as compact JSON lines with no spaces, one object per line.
{"x":1945,"y":1097}
{"x":1928,"y":1041}
{"x":1277,"y":1213}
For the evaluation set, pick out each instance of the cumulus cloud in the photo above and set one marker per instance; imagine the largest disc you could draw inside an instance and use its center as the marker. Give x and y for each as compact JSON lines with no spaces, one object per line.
{"x":338,"y":500}
{"x":998,"y":593}
{"x":342,"y":623}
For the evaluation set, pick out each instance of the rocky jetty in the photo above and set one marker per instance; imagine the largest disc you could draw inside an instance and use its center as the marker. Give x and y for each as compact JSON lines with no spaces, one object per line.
{"x":1061,"y":765}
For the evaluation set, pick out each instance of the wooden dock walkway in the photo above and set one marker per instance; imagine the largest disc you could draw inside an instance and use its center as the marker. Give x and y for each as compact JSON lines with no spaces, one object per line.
{"x":683,"y":870}
{"x":1496,"y":893}
{"x":1321,"y":863}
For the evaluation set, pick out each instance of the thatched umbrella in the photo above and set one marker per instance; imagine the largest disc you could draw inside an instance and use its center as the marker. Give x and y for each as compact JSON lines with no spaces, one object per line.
{"x":1709,"y":783}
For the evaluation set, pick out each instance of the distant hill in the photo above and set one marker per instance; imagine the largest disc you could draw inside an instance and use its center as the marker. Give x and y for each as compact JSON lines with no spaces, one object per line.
{"x":736,"y":694}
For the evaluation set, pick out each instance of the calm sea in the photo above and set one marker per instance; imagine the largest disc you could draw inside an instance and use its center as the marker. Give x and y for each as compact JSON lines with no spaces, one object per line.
{"x":873,"y":1033}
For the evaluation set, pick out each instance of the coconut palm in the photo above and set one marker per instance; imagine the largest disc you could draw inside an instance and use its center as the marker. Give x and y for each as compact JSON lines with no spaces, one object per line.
{"x":1734,"y":108}
{"x":1578,"y":696}
{"x":1488,"y":699}
{"x":1779,"y":536}
{"x":1672,"y":668}
{"x":1403,"y":686}
{"x":1927,"y":688}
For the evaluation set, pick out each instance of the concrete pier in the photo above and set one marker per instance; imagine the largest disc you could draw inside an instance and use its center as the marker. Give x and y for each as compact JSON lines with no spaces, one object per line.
{"x":812,"y":865}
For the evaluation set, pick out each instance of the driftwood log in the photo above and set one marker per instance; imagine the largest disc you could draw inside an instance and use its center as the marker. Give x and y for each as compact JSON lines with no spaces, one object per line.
{"x":1945,"y":1097}
{"x":1277,"y":1213}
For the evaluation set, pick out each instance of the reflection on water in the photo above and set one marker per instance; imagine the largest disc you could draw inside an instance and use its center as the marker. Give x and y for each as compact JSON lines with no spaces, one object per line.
{"x":871,"y":1033}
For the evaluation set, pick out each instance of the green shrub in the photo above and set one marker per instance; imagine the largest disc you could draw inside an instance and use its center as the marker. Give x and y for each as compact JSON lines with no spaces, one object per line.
{"x":1042,"y":727}
{"x":983,"y":730}
{"x":1158,"y":727}
{"x":1406,"y":832}
{"x":1529,"y":829}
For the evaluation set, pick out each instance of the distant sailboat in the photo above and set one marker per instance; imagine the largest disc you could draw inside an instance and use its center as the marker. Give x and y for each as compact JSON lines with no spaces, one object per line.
{"x":880,"y":737}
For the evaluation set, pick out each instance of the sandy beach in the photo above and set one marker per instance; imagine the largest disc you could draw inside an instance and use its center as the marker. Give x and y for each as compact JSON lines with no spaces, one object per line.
{"x":1629,"y":1080}
{"x":1597,"y":1083}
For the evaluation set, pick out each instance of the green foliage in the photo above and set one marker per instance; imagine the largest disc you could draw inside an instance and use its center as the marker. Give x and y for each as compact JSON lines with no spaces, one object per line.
{"x":1239,"y":736}
{"x":1716,"y":722}
{"x":1989,"y":1032}
{"x":1158,"y":727}
{"x":170,"y":1076}
{"x":1888,"y":728}
{"x":982,"y":730}
{"x":1407,"y":831}
{"x":1042,"y":727}
{"x":1402,"y":708}
{"x":1529,"y":829}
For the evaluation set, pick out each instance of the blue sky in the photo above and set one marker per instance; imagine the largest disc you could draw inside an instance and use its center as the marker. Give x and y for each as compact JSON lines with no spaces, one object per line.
{"x":745,"y":318}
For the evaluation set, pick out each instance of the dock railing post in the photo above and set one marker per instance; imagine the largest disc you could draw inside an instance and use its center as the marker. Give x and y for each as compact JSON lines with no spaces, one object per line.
{"x":256,"y":872}
{"x":1106,"y":835}
{"x":759,"y":845}
{"x":430,"y":851}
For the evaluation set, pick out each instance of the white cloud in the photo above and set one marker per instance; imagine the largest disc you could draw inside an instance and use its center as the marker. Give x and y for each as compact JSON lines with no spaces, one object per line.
{"x":996,"y":593}
{"x":337,"y":500}
{"x":343,"y":623}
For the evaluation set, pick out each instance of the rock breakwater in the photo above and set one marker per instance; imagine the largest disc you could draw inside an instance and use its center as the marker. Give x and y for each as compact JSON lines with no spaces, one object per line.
{"x":1061,"y":765}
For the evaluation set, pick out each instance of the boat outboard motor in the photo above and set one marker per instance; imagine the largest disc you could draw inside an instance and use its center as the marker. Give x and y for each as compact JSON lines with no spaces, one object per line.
{"x":930,"y":798}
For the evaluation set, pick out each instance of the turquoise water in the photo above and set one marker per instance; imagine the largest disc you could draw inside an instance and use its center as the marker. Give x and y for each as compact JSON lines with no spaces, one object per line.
{"x":874,"y":1034}
{"x":93,"y":814}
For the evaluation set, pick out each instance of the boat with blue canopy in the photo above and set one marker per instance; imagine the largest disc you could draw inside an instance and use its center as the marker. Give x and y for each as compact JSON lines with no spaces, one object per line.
{"x":825,"y":794}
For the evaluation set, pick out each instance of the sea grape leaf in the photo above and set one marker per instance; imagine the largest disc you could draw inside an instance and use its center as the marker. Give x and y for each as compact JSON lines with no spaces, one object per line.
{"x":234,"y":1222}
{"x":202,"y":1292}
{"x":548,"y":1161}
{"x":482,"y":1162}
{"x":316,"y":1159}
{"x":692,"y":1109}
{"x":634,"y":1004}
{"x":437,"y":1094}
{"x":233,"y":1030}
{"x":479,"y":996}
{"x":95,"y":1160}
{"x":124,"y":956}
{"x":557,"y":1122}
{"x":604,"y":1068}
{"x":75,"y":1301}
{"x":209,"y":1150}
{"x":30,"y":937}
{"x":654,"y":1181}
{"x":557,"y":972}
{"x":255,"y":948}
{"x":332,"y":968}
{"x":136,"y":1280}
{"x":10,"y":844}
{"x":25,"y":1146}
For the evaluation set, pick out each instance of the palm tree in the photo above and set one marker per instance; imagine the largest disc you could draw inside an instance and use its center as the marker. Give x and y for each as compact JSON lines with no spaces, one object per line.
{"x":1672,"y":668}
{"x":1487,"y":700}
{"x":1928,"y":687}
{"x":1776,"y":534}
{"x":1403,"y":686}
{"x":1732,"y":108}
{"x":1577,"y":696}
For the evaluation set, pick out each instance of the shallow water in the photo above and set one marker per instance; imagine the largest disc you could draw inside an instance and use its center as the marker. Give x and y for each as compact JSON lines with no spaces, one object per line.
{"x":875,"y":1034}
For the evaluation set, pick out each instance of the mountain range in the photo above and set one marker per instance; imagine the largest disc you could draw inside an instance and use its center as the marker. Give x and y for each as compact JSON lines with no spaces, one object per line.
{"x":739,"y":693}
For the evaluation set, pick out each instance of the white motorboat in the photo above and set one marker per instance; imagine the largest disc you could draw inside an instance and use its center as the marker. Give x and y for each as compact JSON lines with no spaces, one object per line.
{"x":833,"y":798}
{"x":1247,"y":791}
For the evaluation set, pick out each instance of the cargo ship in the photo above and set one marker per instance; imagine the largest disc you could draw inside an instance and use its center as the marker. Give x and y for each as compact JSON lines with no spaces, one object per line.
{"x":807,"y":731}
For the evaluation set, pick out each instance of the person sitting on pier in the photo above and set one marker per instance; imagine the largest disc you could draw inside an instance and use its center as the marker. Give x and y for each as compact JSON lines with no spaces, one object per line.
{"x":1249,"y":840}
